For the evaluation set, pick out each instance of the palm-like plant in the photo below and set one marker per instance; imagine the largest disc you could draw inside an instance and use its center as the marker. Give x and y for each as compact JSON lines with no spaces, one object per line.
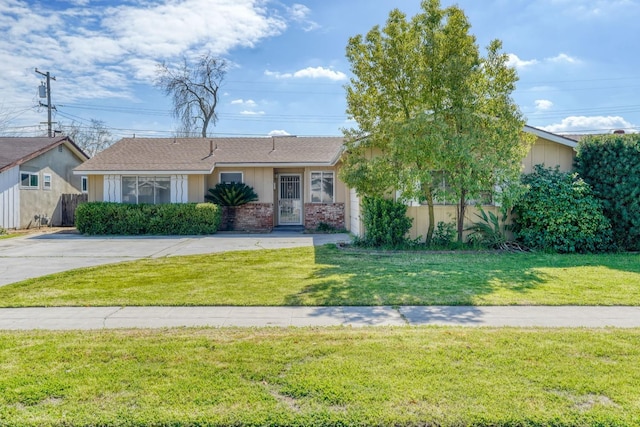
{"x":231,"y":195}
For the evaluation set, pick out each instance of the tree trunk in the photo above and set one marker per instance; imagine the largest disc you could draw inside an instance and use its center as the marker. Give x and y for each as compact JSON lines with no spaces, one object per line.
{"x":429,"y":199}
{"x":462,"y":206}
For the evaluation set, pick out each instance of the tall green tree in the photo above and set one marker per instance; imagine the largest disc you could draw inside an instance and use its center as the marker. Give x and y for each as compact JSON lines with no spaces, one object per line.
{"x":426,"y":103}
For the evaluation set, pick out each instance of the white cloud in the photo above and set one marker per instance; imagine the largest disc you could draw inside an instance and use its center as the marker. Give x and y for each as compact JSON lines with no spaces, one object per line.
{"x":248,"y":102}
{"x":563,"y":57}
{"x":592,"y":124}
{"x":309,"y":72}
{"x":300,"y":13}
{"x":543,"y":104}
{"x":518,"y":63}
{"x":252,"y":113}
{"x":278,"y":132}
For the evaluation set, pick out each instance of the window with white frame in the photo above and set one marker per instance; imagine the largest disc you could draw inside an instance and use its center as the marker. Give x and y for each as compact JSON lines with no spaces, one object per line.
{"x":84,"y":184}
{"x":322,"y":187}
{"x":29,"y":180}
{"x":146,"y":189}
{"x":231,"y":177}
{"x":46,"y":181}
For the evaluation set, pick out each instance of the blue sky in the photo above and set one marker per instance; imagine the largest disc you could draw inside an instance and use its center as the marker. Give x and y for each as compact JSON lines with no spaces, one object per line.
{"x":577,"y":60}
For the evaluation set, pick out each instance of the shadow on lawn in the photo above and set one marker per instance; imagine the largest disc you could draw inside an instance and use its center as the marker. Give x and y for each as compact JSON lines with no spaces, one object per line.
{"x":346,"y":277}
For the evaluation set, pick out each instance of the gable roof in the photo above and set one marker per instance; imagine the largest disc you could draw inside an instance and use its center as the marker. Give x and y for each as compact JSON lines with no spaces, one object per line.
{"x":564,"y":140}
{"x":202,"y":155}
{"x":15,"y":151}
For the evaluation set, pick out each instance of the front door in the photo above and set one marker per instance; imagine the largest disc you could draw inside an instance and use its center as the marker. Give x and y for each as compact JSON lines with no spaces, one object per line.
{"x":290,"y":200}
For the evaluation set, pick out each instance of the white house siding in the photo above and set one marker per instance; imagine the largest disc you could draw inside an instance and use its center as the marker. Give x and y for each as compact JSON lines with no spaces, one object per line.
{"x":354,"y":212}
{"x":179,"y":188}
{"x":112,"y":188}
{"x":10,"y":198}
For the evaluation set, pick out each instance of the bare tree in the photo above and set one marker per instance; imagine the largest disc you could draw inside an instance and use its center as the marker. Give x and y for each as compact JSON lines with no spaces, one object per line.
{"x":91,"y":138}
{"x":194,"y":90}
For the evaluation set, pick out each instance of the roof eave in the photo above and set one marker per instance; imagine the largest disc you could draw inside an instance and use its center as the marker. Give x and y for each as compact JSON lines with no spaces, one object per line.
{"x":551,"y":136}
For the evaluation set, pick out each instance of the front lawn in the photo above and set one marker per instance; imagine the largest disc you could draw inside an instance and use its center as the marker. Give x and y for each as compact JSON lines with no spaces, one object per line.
{"x":382,"y":376}
{"x":330,"y":276}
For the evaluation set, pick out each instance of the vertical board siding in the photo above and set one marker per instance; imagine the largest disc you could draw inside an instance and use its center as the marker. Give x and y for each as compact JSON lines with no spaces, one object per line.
{"x":10,"y":198}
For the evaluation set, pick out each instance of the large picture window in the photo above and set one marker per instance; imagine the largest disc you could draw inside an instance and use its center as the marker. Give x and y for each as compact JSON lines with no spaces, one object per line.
{"x":321,"y":187}
{"x":146,"y":189}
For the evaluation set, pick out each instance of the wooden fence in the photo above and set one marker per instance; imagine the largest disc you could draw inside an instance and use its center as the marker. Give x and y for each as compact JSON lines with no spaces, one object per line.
{"x":69,"y":204}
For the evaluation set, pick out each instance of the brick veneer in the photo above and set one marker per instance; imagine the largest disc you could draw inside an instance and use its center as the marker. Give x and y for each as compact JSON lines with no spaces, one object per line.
{"x":329,"y":213}
{"x":250,"y":217}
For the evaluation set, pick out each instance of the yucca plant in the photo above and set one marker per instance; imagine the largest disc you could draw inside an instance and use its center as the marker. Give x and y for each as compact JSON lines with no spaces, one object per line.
{"x":490,"y":231}
{"x":231,"y":195}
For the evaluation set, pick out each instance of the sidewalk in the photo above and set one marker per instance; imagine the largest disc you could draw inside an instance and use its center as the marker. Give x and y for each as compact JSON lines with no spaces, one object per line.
{"x":65,"y":318}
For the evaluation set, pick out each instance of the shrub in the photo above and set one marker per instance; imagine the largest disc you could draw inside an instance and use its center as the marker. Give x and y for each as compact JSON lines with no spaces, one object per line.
{"x":490,"y":231}
{"x":231,"y":194}
{"x":385,"y":221}
{"x":611,"y":165}
{"x":125,"y":219}
{"x":2,"y":231}
{"x":558,"y":212}
{"x":444,"y":234}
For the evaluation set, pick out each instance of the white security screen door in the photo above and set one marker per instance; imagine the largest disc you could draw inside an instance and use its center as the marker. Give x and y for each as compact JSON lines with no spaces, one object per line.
{"x":290,"y":200}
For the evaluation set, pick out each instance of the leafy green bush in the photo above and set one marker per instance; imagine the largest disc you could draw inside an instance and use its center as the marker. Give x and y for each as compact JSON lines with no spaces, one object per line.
{"x":444,"y":234}
{"x":125,"y":219}
{"x":611,"y":165}
{"x":558,"y":212}
{"x":385,"y":222}
{"x":2,"y":231}
{"x":231,"y":194}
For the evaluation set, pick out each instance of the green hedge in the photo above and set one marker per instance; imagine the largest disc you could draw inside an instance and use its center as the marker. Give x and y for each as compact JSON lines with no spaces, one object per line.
{"x":559,"y":213}
{"x":126,"y":219}
{"x":385,"y":222}
{"x":611,"y":165}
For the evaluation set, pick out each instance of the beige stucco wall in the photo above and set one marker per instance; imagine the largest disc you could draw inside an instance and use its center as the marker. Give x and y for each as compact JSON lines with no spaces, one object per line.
{"x":549,"y":154}
{"x":59,"y":162}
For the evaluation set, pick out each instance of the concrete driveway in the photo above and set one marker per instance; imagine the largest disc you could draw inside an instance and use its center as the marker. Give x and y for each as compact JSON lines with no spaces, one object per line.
{"x":37,"y":255}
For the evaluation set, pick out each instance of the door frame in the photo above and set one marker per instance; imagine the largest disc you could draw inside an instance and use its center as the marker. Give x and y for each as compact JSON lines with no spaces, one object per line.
{"x":279,"y":198}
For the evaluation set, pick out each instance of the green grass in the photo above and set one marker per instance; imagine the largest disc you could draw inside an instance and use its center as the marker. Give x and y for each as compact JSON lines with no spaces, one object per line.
{"x":344,"y":376}
{"x":330,"y":276}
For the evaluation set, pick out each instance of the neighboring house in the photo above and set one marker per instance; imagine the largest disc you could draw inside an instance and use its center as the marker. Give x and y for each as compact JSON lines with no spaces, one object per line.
{"x":34,"y":174}
{"x":549,"y":149}
{"x":295,"y":177}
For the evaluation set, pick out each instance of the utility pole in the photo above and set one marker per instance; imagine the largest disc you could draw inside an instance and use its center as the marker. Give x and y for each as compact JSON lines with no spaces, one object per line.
{"x":48,"y":104}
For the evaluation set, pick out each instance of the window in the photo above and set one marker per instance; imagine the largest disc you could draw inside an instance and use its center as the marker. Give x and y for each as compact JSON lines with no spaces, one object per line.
{"x":29,"y":180}
{"x":321,"y":187}
{"x":46,"y":181}
{"x":84,"y":184}
{"x":231,"y":177}
{"x":146,"y":189}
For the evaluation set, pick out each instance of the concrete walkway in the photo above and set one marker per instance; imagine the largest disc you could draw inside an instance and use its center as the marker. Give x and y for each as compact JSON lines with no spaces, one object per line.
{"x":64,"y":318}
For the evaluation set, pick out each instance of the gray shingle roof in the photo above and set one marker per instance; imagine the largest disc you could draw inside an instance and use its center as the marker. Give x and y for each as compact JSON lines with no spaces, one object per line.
{"x":15,"y":151}
{"x":201,"y":155}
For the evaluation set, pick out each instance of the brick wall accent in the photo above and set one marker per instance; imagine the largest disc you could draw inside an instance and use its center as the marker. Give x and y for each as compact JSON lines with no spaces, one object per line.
{"x":329,"y":213}
{"x":249,"y":217}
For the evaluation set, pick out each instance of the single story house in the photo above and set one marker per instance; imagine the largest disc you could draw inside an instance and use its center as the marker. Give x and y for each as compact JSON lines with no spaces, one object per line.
{"x":295,"y":178}
{"x":34,"y":174}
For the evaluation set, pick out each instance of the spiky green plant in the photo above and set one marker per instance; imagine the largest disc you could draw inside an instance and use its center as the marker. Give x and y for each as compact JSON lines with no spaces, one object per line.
{"x":489,"y":231}
{"x":231,"y":194}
